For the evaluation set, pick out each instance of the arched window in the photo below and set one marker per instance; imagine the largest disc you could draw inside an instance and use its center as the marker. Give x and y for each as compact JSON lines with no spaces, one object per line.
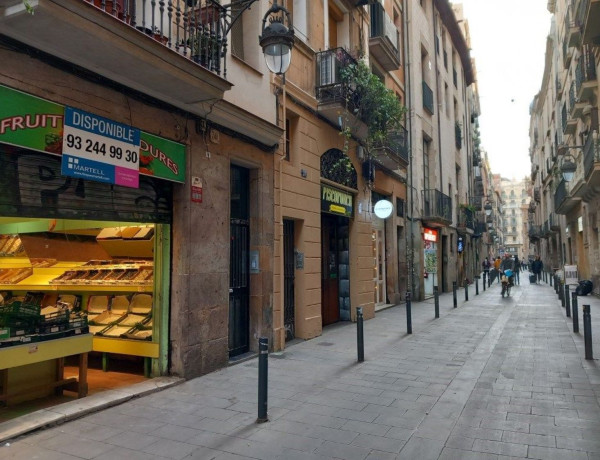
{"x":337,"y":167}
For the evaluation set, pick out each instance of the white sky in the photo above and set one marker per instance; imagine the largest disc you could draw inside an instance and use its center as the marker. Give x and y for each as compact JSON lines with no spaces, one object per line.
{"x":508,"y":41}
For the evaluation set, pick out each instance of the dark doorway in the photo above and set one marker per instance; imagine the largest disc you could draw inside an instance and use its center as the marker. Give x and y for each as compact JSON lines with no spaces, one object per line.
{"x":239,"y":279}
{"x":445,"y":287}
{"x":335,"y":271}
{"x":289,"y":309}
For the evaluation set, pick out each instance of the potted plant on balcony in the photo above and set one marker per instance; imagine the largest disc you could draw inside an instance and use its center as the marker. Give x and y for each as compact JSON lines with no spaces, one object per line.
{"x":204,"y":49}
{"x":370,"y":102}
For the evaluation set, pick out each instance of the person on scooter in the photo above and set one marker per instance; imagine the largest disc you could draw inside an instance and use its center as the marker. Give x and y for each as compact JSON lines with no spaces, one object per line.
{"x":508,"y":264}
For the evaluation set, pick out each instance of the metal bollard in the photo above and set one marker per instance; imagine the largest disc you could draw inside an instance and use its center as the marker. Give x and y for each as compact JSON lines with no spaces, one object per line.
{"x":567,"y":301}
{"x":550,"y":280}
{"x":408,"y":314}
{"x":263,"y":379}
{"x":484,"y":275}
{"x":454,"y":294}
{"x":587,"y":332}
{"x":561,"y":295}
{"x":359,"y":335}
{"x":436,"y":296}
{"x":466,"y":291}
{"x":575,"y":312}
{"x":477,"y":285}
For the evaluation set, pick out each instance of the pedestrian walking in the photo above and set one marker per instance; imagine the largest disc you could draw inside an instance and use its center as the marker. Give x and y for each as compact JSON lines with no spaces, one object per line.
{"x":536,"y":267}
{"x":497,"y":263}
{"x":517,"y":265}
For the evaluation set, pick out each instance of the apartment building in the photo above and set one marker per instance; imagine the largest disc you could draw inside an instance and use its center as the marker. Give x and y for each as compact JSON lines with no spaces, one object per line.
{"x":442,"y":120}
{"x":515,"y":196}
{"x":332,"y":253}
{"x":564,"y":148}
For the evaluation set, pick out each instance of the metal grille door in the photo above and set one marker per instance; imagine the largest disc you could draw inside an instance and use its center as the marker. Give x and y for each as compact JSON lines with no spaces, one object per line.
{"x":288,"y":279}
{"x":239,"y":317}
{"x":239,"y":270}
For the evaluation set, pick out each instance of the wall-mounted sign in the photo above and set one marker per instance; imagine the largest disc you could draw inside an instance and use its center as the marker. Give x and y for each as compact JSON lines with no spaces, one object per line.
{"x":335,"y":201}
{"x":383,"y":209}
{"x":162,"y":158}
{"x":430,"y":234}
{"x":99,"y":149}
{"x":30,"y":122}
{"x":37,"y":124}
{"x":571,"y":275}
{"x":196,"y":190}
{"x":460,"y":244}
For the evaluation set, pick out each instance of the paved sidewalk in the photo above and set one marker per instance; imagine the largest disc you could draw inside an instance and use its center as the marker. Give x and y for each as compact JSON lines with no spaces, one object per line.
{"x":492,"y":379}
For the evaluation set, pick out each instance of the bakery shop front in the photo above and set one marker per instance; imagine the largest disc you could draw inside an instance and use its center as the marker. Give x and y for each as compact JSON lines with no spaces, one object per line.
{"x":85,"y":216}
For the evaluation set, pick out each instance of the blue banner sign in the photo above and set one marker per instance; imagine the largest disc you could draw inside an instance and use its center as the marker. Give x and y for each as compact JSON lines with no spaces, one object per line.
{"x":96,"y":148}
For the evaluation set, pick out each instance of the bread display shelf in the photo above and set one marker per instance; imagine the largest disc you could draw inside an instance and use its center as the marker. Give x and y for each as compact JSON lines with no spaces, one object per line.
{"x":42,"y":279}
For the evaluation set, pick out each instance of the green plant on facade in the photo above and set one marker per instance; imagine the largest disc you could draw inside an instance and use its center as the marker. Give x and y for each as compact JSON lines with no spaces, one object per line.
{"x":468,"y":207}
{"x":368,"y":99}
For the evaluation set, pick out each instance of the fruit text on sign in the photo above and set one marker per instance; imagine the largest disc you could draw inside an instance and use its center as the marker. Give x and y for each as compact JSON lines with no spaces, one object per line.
{"x":100,"y":149}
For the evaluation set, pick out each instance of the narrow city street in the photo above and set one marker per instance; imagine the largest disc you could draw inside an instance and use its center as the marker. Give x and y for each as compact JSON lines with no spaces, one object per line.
{"x":492,"y":379}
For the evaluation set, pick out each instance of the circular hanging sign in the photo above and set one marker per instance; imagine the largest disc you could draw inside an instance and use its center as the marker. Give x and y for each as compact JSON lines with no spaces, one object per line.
{"x":383,"y":209}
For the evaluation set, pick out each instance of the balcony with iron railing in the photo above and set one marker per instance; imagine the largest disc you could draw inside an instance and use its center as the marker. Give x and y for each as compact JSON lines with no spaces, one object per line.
{"x":534,"y":232}
{"x":590,"y":13}
{"x":585,"y":74}
{"x":572,"y":27}
{"x":437,"y":208}
{"x":427,"y":98}
{"x":392,"y":152}
{"x":554,"y":222}
{"x":384,"y":38}
{"x":457,"y":136}
{"x":334,"y":96}
{"x":563,"y":199}
{"x":466,"y":219}
{"x":537,"y":195}
{"x":571,"y":123}
{"x":591,"y":162}
{"x":567,"y":54}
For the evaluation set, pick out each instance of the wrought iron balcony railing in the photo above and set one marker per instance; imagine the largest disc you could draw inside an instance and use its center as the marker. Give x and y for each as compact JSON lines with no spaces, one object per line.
{"x":466,"y":218}
{"x":329,"y":85}
{"x":457,"y":136}
{"x":436,"y":205}
{"x":591,"y":155}
{"x":427,"y":98}
{"x":561,"y":194}
{"x":195,"y":29}
{"x":534,"y":231}
{"x":392,"y":152}
{"x":386,"y":50}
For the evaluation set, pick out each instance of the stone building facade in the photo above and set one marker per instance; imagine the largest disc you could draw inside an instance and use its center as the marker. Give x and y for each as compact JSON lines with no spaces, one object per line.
{"x":563,"y":134}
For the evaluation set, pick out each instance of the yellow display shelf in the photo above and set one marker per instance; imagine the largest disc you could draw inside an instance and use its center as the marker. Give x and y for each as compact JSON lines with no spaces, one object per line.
{"x":126,"y":347}
{"x":30,"y":353}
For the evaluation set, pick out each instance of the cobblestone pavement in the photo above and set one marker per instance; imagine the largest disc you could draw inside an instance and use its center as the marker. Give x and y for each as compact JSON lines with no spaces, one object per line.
{"x":492,"y":379}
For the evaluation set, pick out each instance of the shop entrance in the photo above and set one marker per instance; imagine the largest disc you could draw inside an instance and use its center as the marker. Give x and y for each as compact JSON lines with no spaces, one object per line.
{"x":289,"y":309}
{"x":239,"y":273}
{"x":378,"y":239}
{"x":335,"y":271}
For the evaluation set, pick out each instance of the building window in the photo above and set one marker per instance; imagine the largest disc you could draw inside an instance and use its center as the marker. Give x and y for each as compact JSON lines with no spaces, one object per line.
{"x":299,"y":14}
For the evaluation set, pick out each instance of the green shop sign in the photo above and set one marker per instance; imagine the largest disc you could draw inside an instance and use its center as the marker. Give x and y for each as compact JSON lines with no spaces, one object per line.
{"x":37,"y":124}
{"x":335,"y":201}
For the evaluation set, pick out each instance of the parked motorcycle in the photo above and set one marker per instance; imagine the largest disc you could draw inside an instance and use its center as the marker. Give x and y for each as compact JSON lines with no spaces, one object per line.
{"x":507,"y":282}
